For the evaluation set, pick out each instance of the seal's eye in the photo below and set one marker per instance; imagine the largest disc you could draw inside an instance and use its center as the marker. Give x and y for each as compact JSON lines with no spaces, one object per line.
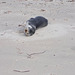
{"x":31,"y":31}
{"x":26,"y":31}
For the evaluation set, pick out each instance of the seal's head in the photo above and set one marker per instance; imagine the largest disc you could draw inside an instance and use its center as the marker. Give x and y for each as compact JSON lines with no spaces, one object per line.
{"x":29,"y":29}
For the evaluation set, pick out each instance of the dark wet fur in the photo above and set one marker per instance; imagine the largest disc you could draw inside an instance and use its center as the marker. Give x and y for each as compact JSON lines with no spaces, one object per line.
{"x":38,"y":22}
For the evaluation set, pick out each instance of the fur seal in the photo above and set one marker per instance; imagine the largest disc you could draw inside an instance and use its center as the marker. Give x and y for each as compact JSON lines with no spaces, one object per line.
{"x":33,"y":24}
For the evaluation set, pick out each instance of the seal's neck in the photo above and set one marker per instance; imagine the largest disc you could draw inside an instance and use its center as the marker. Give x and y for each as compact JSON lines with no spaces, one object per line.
{"x":33,"y":27}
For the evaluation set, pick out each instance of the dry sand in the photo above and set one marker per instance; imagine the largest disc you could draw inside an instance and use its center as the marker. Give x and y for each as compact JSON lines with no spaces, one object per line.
{"x":50,"y":51}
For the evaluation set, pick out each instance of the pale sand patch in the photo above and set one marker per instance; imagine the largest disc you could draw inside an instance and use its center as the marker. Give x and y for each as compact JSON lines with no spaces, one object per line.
{"x":51,"y":31}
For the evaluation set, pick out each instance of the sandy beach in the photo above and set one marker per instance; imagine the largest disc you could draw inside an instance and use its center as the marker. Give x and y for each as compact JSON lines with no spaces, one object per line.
{"x":50,"y":51}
